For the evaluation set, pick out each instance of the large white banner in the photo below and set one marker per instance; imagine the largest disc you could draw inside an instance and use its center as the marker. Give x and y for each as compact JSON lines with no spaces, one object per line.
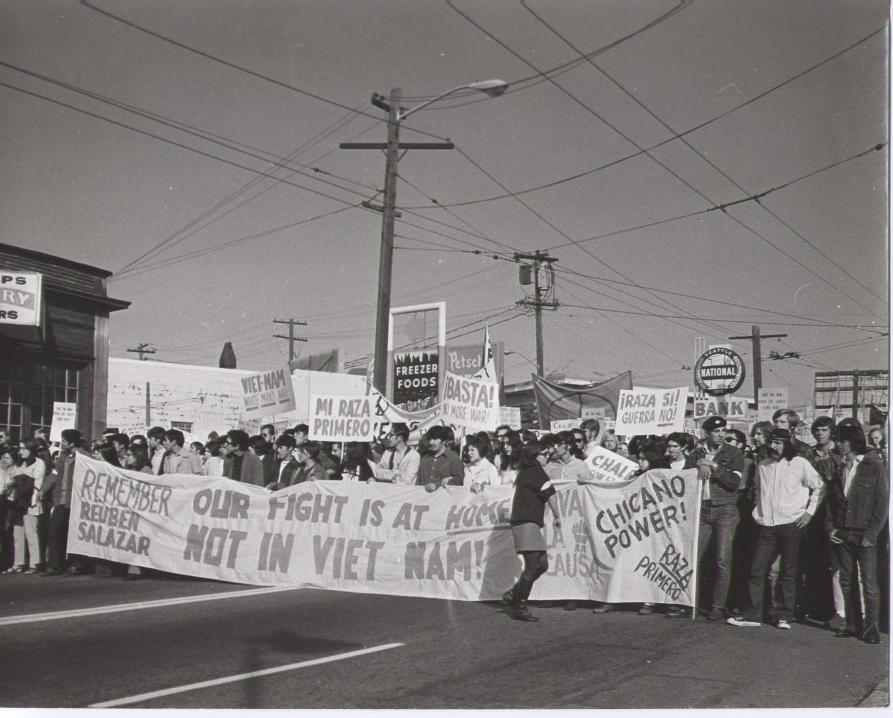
{"x":650,"y":411}
{"x":631,"y":541}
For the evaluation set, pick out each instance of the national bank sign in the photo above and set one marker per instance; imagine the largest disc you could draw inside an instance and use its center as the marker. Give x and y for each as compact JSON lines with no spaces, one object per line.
{"x":21,"y":298}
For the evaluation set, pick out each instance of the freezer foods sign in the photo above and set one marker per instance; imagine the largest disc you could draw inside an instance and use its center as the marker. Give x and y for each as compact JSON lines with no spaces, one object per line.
{"x":20,"y":298}
{"x":625,"y":541}
{"x":719,"y":371}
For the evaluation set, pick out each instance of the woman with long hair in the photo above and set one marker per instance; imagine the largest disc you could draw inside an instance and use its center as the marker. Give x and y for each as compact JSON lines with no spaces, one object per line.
{"x":533,"y":490}
{"x":509,"y":457}
{"x":27,"y":482}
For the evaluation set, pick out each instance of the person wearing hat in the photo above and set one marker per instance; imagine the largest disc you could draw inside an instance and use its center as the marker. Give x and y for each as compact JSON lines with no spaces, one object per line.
{"x":787,"y":492}
{"x":720,"y":467}
{"x":858,"y":496}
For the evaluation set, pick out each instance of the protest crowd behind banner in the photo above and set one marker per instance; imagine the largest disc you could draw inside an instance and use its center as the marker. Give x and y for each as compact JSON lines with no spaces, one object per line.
{"x":367,"y":496}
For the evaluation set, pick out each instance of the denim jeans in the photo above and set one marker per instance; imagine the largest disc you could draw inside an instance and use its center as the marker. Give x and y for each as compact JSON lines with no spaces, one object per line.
{"x":718,"y":522}
{"x":773,"y":541}
{"x":848,"y":554}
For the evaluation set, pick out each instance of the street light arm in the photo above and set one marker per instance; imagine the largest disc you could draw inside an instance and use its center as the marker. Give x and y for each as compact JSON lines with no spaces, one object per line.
{"x":493,"y":88}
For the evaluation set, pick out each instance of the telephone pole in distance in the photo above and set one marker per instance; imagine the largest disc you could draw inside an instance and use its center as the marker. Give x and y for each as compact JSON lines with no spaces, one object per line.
{"x":755,"y":338}
{"x":291,"y":335}
{"x":543,"y":295}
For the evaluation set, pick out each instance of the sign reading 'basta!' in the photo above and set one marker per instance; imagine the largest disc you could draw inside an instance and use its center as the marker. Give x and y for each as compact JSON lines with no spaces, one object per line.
{"x":628,"y":541}
{"x":471,"y":403}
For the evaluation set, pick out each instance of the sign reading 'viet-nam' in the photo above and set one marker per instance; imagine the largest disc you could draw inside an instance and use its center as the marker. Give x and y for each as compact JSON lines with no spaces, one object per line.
{"x":471,"y":403}
{"x":719,"y":371}
{"x":341,"y":418}
{"x":267,"y":394}
{"x":651,"y":411}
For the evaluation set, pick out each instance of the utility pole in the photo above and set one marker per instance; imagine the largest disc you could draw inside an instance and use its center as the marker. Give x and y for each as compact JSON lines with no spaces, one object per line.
{"x":291,"y":335}
{"x":142,"y":349}
{"x":391,"y":105}
{"x":543,"y":296}
{"x":755,"y":338}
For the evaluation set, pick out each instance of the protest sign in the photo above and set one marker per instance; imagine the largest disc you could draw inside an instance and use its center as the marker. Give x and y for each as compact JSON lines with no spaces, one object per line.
{"x":511,"y":416}
{"x":471,"y":403}
{"x":605,"y":465}
{"x":557,"y":425}
{"x":629,"y":541}
{"x":651,"y":411}
{"x":769,"y":401}
{"x":267,"y":394}
{"x":64,"y":417}
{"x":593,"y":412}
{"x":385,"y":413}
{"x":341,"y":418}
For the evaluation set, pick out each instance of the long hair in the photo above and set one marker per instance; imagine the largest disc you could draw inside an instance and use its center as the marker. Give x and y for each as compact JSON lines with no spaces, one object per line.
{"x":510,"y":460}
{"x":529,"y":455}
{"x":31,"y":446}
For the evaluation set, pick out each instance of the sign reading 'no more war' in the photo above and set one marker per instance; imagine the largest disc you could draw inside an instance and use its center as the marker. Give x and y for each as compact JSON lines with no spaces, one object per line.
{"x":471,"y":403}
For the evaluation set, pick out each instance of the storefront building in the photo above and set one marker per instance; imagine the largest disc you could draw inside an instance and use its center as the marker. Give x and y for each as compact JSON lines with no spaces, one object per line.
{"x":54,"y":341}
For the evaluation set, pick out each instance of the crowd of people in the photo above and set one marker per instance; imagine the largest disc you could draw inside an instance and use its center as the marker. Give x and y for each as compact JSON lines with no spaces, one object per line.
{"x":795,"y":531}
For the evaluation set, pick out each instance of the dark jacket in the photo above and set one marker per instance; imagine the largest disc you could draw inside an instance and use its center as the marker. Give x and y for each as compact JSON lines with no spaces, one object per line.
{"x":724,"y":482}
{"x":288,"y":475}
{"x":19,"y":498}
{"x":532,"y":491}
{"x":865,"y":508}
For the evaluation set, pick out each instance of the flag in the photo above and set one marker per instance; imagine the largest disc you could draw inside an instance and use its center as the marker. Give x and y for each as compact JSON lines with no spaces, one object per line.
{"x":487,"y":371}
{"x":554,"y":401}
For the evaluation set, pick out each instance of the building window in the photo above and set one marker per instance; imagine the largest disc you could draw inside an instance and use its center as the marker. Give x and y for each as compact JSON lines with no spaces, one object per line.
{"x":27,"y":394}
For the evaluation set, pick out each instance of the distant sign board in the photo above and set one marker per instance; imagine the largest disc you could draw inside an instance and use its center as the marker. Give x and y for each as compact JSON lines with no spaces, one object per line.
{"x":769,"y":401}
{"x":415,"y":379}
{"x":511,"y":416}
{"x":731,"y":407}
{"x":719,"y":371}
{"x":64,"y":417}
{"x":557,"y":425}
{"x":21,"y":298}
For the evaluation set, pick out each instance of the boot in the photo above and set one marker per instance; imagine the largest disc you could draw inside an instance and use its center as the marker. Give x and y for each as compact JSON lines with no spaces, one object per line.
{"x":509,"y":596}
{"x":519,"y":602}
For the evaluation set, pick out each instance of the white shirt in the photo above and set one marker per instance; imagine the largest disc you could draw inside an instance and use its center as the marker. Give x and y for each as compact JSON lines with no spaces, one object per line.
{"x":851,"y":473}
{"x":483,"y":472}
{"x":785,"y":490}
{"x":37,"y":471}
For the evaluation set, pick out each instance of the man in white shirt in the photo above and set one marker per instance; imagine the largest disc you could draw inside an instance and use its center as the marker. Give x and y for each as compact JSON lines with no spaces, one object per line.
{"x":399,"y":463}
{"x":787,"y":492}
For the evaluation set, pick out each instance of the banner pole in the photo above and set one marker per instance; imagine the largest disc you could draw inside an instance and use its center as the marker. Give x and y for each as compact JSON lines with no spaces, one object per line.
{"x":694,"y":553}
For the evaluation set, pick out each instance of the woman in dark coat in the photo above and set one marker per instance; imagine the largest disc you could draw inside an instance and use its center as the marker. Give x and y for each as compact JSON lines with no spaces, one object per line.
{"x":533,"y":490}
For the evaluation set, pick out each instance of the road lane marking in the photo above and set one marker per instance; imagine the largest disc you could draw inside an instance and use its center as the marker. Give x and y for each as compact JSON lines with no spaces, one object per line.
{"x":242,"y":676}
{"x":137,"y":605}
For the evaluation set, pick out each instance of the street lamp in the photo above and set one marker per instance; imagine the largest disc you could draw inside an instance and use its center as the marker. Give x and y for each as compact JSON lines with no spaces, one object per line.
{"x":396,"y":114}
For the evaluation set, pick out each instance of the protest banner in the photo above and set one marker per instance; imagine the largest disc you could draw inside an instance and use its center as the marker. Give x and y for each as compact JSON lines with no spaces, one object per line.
{"x":733,"y":408}
{"x":557,"y":425}
{"x":64,"y":417}
{"x":630,"y":541}
{"x":769,"y":401}
{"x":470,"y":403}
{"x":605,"y":465}
{"x":651,"y":411}
{"x":385,"y":413}
{"x":266,"y":394}
{"x":341,"y":418}
{"x":510,"y":416}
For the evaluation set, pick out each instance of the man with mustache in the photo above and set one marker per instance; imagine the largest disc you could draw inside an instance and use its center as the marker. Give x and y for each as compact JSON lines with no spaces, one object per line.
{"x":787,"y":492}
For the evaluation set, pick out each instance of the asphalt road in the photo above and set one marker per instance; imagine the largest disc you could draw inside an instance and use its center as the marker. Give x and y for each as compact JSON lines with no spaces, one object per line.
{"x":257,"y":648}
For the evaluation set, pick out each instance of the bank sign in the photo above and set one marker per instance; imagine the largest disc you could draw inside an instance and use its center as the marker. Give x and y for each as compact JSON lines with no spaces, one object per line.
{"x":719,"y":371}
{"x":21,"y":296}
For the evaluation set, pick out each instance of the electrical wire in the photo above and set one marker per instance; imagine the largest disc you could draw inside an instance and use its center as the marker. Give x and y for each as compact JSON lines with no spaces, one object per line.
{"x":158,"y":36}
{"x":710,"y":162}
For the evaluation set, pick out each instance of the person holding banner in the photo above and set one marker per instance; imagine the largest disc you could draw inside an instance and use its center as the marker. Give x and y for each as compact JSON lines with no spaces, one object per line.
{"x":533,"y":490}
{"x":479,"y":471}
{"x":399,"y":463}
{"x":440,"y":467}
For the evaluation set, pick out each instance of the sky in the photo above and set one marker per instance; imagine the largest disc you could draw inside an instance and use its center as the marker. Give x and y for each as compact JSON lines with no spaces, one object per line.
{"x":695,"y":168}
